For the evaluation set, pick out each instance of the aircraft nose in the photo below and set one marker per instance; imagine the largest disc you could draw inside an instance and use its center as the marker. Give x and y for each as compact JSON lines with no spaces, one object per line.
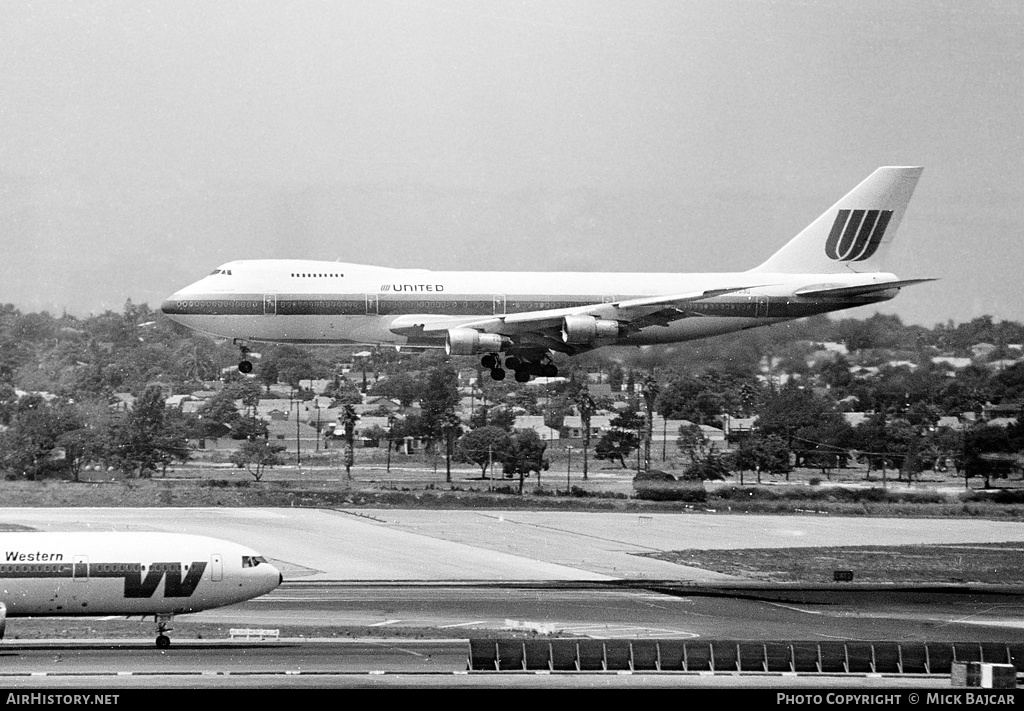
{"x":273,"y":578}
{"x":170,"y":305}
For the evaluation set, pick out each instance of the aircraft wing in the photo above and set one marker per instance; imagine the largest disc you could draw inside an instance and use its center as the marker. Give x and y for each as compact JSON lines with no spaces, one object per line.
{"x":542,"y":328}
{"x":860,"y":290}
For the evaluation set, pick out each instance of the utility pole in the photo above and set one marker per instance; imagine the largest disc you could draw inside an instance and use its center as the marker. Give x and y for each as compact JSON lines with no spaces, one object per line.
{"x":568,"y":470}
{"x":391,"y":438}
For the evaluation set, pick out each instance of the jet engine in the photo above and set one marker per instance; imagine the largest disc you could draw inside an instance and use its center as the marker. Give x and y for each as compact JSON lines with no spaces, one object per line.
{"x":587,"y":329}
{"x":468,"y":341}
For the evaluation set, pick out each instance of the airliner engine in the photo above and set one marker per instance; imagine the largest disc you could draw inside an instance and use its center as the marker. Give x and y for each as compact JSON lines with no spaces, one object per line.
{"x":468,"y":341}
{"x":577,"y":330}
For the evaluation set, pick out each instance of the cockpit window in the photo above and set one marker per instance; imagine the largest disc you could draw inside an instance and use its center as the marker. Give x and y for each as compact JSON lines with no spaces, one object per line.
{"x":221,"y":271}
{"x":251,"y":561}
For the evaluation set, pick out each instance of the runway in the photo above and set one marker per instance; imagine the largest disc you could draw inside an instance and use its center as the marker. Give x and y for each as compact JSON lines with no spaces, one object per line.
{"x":388,"y":577}
{"x":465,"y":545}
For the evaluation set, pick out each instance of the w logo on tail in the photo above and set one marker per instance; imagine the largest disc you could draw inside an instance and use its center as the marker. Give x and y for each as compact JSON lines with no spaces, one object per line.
{"x":856,"y":234}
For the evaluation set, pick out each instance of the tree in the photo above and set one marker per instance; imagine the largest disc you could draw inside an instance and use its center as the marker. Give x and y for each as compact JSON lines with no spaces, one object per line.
{"x":692,"y":442}
{"x":650,"y":391}
{"x":343,"y":392}
{"x":140,"y":441}
{"x":451,"y":428}
{"x":256,"y":456}
{"x":759,"y":453}
{"x":348,"y":422}
{"x":825,"y":445}
{"x":525,"y":455}
{"x":440,"y":395}
{"x":621,"y":439}
{"x":403,"y":386}
{"x":32,"y":446}
{"x":80,"y":446}
{"x":798,"y":416}
{"x":696,"y":400}
{"x":484,"y":446}
{"x":495,"y":416}
{"x":586,"y":406}
{"x":988,"y":452}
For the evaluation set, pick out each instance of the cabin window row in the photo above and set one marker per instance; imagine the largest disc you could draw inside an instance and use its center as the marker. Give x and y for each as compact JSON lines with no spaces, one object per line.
{"x":328,"y":276}
{"x":25,"y":568}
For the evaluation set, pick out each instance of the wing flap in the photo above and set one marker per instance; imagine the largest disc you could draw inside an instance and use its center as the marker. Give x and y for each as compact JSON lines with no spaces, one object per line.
{"x":859,"y":290}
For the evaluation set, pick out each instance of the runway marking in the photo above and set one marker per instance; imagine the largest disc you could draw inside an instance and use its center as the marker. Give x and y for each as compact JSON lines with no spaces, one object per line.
{"x":796,"y":609}
{"x":385,"y":622}
{"x":461,"y":624}
{"x":548,"y":527}
{"x":412,"y":653}
{"x":627,"y":631}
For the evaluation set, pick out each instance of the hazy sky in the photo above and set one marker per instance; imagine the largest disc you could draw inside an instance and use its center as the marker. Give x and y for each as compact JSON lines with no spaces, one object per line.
{"x":144,"y":143}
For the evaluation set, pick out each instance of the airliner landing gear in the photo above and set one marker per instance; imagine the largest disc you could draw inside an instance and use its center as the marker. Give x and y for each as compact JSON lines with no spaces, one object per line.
{"x":493,"y":362}
{"x":245,"y":366}
{"x":163,"y":625}
{"x":527,"y":369}
{"x":524,"y":369}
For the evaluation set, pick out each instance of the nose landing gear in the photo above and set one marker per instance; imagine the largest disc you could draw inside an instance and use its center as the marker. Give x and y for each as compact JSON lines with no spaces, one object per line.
{"x":163,"y":625}
{"x":245,"y":365}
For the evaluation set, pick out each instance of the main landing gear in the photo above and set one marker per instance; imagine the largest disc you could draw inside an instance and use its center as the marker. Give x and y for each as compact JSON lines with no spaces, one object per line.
{"x":523,"y":369}
{"x":163,"y":623}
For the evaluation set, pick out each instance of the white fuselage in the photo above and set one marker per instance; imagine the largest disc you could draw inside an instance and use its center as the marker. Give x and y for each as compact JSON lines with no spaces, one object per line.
{"x":66,"y":574}
{"x":305,"y":301}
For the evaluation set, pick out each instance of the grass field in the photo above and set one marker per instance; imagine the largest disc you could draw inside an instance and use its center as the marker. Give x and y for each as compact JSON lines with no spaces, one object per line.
{"x":990,"y":563}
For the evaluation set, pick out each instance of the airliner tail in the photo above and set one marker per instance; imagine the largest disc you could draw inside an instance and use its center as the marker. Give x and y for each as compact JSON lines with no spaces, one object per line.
{"x":854,"y":234}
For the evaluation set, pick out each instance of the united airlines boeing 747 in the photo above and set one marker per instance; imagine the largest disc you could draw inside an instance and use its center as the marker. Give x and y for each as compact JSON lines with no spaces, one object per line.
{"x":516,"y":320}
{"x":145,"y":574}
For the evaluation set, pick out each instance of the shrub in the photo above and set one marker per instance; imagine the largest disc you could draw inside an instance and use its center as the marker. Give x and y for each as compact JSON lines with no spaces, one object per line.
{"x":998,"y":496}
{"x":671,"y":491}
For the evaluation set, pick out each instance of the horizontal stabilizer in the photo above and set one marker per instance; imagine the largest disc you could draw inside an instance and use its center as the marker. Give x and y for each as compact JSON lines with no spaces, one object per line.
{"x":861,"y":289}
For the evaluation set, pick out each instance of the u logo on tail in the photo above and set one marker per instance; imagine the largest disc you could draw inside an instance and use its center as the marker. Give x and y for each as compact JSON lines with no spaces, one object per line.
{"x":856,"y":234}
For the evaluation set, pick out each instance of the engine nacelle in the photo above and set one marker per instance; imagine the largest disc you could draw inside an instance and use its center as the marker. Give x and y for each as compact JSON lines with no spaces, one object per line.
{"x":468,"y":341}
{"x":587,"y":329}
{"x":3,"y":619}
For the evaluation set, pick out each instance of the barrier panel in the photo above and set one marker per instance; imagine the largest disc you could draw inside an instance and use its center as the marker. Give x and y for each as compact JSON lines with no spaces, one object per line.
{"x":510,"y":654}
{"x":670,"y":653}
{"x":913,"y":658}
{"x":646,"y":656}
{"x":537,"y":654}
{"x":590,"y":654}
{"x":779,"y":657}
{"x":854,"y":657}
{"x":832,"y":657}
{"x":618,"y":654}
{"x":698,"y":656}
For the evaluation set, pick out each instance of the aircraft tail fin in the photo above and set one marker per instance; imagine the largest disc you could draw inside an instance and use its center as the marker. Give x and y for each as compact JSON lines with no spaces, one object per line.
{"x":854,"y":234}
